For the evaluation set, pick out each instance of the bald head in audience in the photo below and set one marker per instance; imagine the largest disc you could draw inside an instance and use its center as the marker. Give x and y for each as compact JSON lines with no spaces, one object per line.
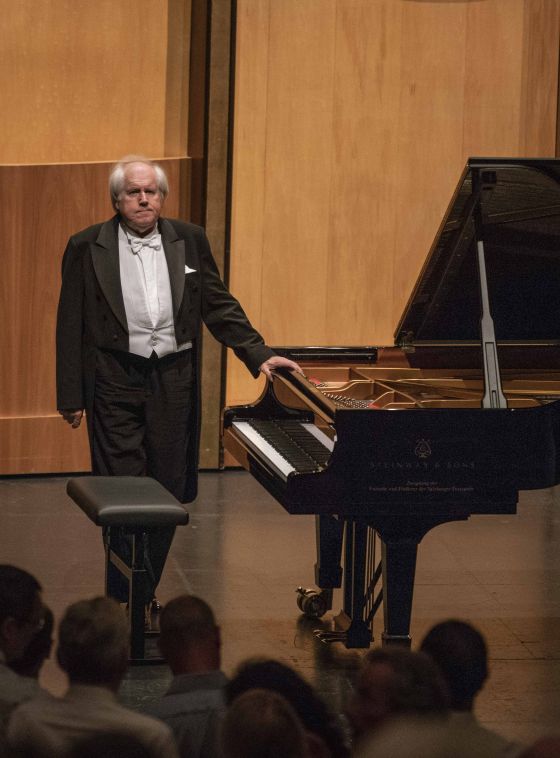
{"x":189,"y":636}
{"x":461,"y":654}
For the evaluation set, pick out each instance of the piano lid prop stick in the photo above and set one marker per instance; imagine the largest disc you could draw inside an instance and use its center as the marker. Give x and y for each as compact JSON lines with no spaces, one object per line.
{"x":493,"y":395}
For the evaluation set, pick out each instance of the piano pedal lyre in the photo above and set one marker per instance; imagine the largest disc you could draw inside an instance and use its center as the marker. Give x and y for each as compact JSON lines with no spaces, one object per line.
{"x":314,"y":603}
{"x":333,"y":636}
{"x":354,"y":633}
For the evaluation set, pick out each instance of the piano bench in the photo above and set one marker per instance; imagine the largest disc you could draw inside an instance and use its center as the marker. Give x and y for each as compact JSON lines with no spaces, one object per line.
{"x":133,"y":505}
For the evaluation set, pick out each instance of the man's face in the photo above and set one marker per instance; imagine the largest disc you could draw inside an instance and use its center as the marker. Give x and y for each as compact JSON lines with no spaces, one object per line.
{"x":140,"y":201}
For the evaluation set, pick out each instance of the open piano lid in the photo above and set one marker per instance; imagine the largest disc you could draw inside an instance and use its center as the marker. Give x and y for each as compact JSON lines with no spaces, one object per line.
{"x":520,"y":228}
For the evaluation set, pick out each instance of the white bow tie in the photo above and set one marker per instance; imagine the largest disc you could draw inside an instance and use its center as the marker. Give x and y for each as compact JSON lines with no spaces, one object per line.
{"x":137,"y":244}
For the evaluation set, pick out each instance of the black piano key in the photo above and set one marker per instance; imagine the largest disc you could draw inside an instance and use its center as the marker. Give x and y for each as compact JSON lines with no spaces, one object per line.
{"x":294,"y":443}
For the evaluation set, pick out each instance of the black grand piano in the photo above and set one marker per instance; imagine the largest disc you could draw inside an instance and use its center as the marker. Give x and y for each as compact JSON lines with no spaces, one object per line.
{"x":385,"y":443}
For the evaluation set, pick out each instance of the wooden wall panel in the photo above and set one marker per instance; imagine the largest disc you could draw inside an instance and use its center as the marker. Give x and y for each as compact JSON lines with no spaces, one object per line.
{"x":248,"y":189}
{"x":216,"y":205}
{"x":492,"y":93}
{"x":84,"y":81}
{"x":41,"y":207}
{"x":430,"y":156}
{"x":353,"y":119}
{"x":177,"y":71}
{"x":366,"y":144}
{"x":297,"y":167}
{"x":539,"y":92}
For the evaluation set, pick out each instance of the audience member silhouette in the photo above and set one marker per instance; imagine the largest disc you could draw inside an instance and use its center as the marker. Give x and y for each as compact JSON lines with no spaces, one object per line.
{"x":110,"y":745}
{"x":262,"y":724}
{"x":460,"y":652}
{"x":21,"y":617}
{"x":394,"y":682}
{"x":38,"y":650}
{"x":267,"y":674}
{"x":422,"y":737}
{"x":194,"y":703}
{"x":546,"y":747}
{"x":93,"y":651}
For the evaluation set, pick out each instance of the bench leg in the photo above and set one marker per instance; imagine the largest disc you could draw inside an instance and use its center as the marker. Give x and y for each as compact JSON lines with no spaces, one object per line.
{"x":136,"y":597}
{"x":136,"y":574}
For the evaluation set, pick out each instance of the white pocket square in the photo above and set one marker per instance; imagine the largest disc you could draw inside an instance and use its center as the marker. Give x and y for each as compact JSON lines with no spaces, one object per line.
{"x":189,"y":270}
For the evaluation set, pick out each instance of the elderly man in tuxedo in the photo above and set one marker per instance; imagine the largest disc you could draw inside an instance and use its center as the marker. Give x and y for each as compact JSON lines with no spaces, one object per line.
{"x":135,"y":291}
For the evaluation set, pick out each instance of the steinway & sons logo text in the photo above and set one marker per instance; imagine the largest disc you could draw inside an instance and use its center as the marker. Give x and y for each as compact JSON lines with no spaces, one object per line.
{"x":424,"y":457}
{"x":422,"y":460}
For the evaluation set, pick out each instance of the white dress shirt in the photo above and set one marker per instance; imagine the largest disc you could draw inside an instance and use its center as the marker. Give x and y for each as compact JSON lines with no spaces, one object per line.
{"x":147,"y":295}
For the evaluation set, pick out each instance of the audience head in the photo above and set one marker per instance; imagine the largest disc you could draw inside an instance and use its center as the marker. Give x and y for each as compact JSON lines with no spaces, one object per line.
{"x":21,"y":611}
{"x":93,"y":642}
{"x":262,"y":724}
{"x":38,"y":650}
{"x":272,"y":675}
{"x":460,"y":652}
{"x":189,"y":637}
{"x":395,"y":682}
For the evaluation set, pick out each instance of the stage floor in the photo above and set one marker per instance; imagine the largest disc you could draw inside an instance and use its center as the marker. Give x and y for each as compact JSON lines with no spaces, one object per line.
{"x":245,"y":555}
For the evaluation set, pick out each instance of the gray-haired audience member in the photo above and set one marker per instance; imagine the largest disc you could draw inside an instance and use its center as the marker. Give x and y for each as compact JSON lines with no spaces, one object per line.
{"x":193,"y":705}
{"x":21,"y":616}
{"x":395,"y":682}
{"x":93,"y":651}
{"x":460,"y":652}
{"x":262,"y":724}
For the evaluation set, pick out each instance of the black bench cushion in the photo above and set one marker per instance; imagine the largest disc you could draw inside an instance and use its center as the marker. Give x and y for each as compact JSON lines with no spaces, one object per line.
{"x":135,"y":501}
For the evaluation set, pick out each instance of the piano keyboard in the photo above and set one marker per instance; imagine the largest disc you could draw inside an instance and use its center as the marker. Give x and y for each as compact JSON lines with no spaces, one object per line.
{"x":286,"y":446}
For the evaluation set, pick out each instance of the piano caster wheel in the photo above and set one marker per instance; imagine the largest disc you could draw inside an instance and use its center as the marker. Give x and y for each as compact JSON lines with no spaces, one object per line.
{"x":311,"y":603}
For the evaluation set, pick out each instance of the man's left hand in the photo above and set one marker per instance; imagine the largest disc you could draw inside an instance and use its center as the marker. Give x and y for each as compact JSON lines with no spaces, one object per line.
{"x":277,"y":361}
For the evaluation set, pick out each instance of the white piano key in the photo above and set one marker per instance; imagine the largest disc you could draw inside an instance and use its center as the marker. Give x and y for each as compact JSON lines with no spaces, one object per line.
{"x":263,"y":448}
{"x":319,"y":435}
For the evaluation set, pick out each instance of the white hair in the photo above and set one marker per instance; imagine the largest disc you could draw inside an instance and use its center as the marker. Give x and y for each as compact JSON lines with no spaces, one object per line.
{"x":117,"y":177}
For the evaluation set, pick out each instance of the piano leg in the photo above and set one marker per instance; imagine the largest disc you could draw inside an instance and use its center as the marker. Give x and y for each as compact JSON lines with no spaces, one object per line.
{"x":328,"y":571}
{"x":399,"y":567}
{"x":329,"y":531}
{"x":399,"y":545}
{"x":358,"y":634}
{"x":354,"y":623}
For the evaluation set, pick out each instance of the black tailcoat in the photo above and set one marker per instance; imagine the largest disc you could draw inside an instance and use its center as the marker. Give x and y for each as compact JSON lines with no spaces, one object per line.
{"x":92,"y":317}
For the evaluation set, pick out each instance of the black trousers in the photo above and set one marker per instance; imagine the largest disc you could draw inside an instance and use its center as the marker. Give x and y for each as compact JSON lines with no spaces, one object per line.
{"x":141,"y":424}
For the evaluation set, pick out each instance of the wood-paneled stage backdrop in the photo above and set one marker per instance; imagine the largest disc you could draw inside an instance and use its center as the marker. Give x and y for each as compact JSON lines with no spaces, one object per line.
{"x":351,"y":121}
